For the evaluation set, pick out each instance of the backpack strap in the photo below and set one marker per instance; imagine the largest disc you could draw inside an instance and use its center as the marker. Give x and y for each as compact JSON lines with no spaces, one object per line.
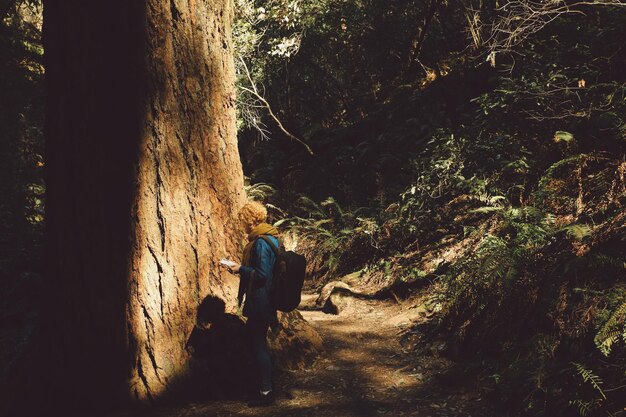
{"x":272,"y":245}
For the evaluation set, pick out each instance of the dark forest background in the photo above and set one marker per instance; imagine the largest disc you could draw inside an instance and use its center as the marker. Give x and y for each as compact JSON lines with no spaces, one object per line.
{"x":21,"y":176}
{"x":489,"y":133}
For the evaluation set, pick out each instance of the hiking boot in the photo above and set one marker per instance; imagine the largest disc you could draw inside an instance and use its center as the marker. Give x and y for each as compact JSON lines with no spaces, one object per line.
{"x":262,"y":400}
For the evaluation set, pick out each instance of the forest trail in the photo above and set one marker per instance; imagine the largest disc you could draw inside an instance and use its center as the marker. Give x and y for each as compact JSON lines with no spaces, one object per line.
{"x":364,"y":371}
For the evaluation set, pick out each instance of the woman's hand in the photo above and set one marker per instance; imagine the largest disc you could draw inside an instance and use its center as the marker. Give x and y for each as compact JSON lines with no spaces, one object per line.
{"x":234,"y":269}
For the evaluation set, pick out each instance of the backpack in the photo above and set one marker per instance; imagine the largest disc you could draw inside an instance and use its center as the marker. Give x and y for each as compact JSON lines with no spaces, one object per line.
{"x":288,"y":278}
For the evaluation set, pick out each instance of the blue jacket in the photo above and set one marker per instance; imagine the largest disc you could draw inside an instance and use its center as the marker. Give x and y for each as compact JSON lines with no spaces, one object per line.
{"x":260,"y":270}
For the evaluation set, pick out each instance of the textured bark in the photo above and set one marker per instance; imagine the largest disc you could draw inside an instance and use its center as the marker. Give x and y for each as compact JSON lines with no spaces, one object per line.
{"x":144,"y":183}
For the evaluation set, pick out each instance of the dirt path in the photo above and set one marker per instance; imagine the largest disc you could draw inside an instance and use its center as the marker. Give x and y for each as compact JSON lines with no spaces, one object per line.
{"x":364,"y":371}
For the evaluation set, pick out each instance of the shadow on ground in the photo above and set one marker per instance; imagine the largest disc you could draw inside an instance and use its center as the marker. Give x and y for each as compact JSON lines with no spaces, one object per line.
{"x":363,"y":372}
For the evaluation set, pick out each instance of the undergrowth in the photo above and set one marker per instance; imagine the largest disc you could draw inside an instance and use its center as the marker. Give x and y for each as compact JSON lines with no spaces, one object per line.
{"x":504,"y":187}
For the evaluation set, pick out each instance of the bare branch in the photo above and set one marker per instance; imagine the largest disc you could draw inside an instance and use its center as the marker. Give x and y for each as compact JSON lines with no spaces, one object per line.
{"x":253,"y":90}
{"x":520,"y":19}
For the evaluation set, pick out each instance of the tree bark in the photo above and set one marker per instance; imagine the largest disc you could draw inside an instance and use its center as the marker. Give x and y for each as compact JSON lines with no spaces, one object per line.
{"x":144,"y":183}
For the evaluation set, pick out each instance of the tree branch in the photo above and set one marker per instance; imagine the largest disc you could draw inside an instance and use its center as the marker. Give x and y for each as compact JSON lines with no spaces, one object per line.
{"x":255,"y":92}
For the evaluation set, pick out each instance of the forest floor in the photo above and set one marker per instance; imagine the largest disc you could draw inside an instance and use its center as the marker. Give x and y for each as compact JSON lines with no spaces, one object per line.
{"x":364,"y":371}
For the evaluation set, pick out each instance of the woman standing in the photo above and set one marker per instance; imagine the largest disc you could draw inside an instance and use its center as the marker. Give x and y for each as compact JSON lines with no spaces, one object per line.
{"x":255,"y":282}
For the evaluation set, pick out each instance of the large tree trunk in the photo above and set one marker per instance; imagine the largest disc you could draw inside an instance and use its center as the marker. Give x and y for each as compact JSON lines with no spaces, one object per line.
{"x":143,"y":186}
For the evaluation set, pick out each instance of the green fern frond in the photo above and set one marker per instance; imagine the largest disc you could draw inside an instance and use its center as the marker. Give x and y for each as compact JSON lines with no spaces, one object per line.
{"x":330,"y":201}
{"x":583,"y":406}
{"x":283,"y":221}
{"x":594,"y":261}
{"x":549,"y":173}
{"x":360,"y":210}
{"x":314,"y":208}
{"x":259,"y":191}
{"x":588,"y":376}
{"x":302,"y":220}
{"x":533,"y":213}
{"x":322,"y":222}
{"x":497,"y":199}
{"x":612,"y":330}
{"x":276,"y":208}
{"x":576,"y":231}
{"x":605,"y":342}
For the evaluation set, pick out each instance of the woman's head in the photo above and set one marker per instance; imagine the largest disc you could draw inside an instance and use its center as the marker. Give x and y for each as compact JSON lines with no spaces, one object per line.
{"x":252,"y":214}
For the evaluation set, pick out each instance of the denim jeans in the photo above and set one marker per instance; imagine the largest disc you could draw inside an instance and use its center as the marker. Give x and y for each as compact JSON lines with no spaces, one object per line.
{"x":256,"y":330}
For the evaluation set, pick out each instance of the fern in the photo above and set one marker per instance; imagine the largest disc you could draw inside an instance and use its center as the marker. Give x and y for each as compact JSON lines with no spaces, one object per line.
{"x":276,"y":208}
{"x":259,"y":191}
{"x":594,"y":261}
{"x":588,"y":376}
{"x":313,"y":208}
{"x":612,"y":330}
{"x":322,"y":222}
{"x":556,"y":166}
{"x":330,"y":201}
{"x":282,"y":221}
{"x":576,"y":231}
{"x":583,"y":406}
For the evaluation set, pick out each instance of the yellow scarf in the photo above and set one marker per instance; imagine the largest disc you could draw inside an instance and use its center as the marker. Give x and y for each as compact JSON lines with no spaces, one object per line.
{"x":262,"y":229}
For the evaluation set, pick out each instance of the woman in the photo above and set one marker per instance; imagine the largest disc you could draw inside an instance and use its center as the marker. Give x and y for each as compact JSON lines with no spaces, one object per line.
{"x":255,"y":281}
